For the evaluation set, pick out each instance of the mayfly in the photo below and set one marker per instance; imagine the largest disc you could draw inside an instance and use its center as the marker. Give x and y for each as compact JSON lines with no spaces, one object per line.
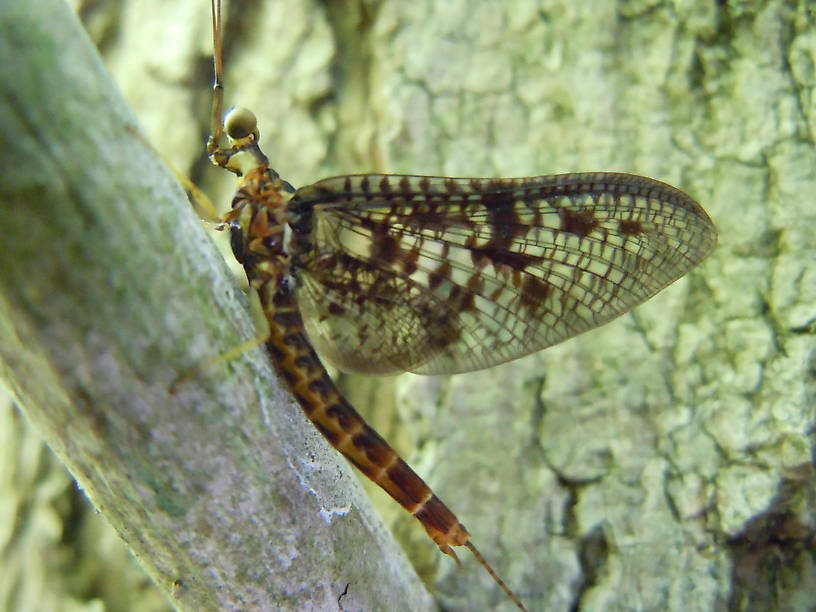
{"x":433,"y":275}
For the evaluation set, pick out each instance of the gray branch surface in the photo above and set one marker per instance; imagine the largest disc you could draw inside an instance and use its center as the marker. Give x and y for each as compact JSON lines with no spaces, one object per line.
{"x":109,"y":291}
{"x":663,"y":462}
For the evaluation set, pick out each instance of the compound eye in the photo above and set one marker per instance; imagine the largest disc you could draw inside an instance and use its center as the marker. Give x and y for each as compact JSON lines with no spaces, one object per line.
{"x":239,"y":123}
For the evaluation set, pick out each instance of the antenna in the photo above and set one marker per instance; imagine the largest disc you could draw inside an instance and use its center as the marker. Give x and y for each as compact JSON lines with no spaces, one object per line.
{"x":217,"y":118}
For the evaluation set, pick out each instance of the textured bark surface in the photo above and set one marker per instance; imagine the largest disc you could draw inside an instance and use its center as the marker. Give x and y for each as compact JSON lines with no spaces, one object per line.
{"x":664,"y":462}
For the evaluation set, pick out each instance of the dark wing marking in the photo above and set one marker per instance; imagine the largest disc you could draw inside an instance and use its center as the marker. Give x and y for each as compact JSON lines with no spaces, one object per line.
{"x":440,"y":275}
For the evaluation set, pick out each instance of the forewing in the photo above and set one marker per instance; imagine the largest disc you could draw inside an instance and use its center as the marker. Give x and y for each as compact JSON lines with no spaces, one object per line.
{"x":440,"y":275}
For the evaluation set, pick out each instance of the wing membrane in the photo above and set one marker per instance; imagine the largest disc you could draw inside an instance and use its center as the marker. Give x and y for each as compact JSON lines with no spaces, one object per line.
{"x":441,"y":275}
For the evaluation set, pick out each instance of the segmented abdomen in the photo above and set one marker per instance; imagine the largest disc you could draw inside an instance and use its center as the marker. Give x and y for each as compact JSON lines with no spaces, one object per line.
{"x":342,"y":425}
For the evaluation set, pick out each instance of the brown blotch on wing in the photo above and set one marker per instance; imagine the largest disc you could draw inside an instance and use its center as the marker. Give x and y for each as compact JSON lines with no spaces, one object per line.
{"x":581,"y":223}
{"x":630,"y":227}
{"x":502,"y":257}
{"x":365,"y":185}
{"x":385,"y":247}
{"x":503,"y":219}
{"x":461,"y":299}
{"x":533,"y":291}
{"x":409,"y":261}
{"x":336,"y":309}
{"x":439,"y":275}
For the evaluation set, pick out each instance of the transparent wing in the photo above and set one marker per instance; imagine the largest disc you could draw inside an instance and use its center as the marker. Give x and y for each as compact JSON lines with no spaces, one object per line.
{"x":441,"y":275}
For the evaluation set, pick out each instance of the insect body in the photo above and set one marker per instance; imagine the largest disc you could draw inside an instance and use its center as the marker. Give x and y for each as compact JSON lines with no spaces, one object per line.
{"x":386,"y":273}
